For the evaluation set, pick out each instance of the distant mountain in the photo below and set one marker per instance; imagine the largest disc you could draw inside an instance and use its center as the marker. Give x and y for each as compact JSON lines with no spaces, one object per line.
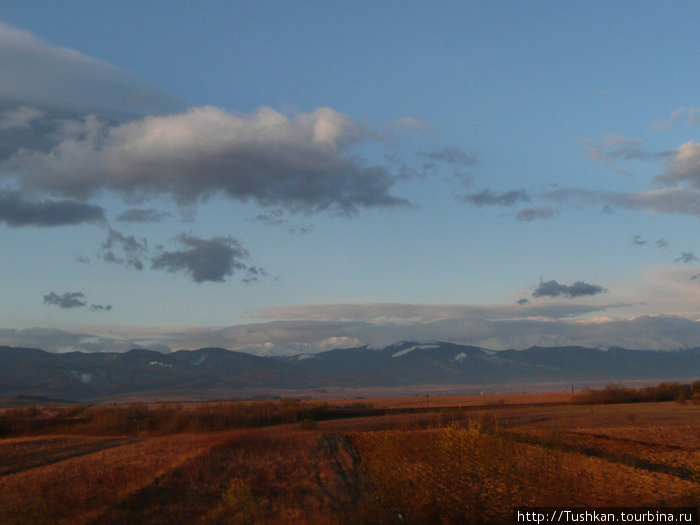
{"x":215,"y":373}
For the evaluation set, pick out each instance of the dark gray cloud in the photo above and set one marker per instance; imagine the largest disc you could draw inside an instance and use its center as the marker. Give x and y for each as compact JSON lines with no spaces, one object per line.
{"x":17,"y":212}
{"x":67,"y":300}
{"x":296,"y":163}
{"x":638,"y":241}
{"x":523,"y":301}
{"x":490,"y":198}
{"x":530,"y":214}
{"x":686,"y":258}
{"x":206,"y":259}
{"x":451,"y":155}
{"x":101,"y":307}
{"x":141,"y":215}
{"x":73,"y":300}
{"x":661,"y":243}
{"x":695,"y":277}
{"x":554,"y":289}
{"x":125,"y":250}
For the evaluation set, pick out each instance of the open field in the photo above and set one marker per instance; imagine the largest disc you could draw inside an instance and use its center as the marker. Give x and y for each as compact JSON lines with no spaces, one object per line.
{"x":459,"y":462}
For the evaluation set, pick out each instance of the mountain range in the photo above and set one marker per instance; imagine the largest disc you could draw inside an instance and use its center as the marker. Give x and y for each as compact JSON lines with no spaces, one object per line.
{"x":216,"y":373}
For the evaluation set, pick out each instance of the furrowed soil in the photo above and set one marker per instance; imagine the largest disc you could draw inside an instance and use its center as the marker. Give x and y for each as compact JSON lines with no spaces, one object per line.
{"x":459,"y":462}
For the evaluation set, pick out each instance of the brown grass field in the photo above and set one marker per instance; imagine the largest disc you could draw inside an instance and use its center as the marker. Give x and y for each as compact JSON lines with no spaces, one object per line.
{"x":466,"y":459}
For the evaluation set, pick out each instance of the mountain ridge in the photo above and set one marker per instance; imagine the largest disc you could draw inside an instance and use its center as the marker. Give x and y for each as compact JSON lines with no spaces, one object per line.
{"x":215,"y":373}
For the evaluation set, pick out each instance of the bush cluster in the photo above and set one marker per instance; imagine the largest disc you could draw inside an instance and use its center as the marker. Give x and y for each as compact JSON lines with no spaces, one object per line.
{"x":669,"y":391}
{"x":139,"y":418}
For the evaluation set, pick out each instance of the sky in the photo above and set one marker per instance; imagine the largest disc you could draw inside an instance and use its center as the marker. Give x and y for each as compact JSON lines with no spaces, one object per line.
{"x":284,"y":177}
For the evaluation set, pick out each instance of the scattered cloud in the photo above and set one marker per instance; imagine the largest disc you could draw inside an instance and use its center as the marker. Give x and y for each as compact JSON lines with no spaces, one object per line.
{"x":530,"y":214}
{"x":276,"y":217}
{"x":101,"y":307}
{"x":205,"y":259}
{"x":554,"y":289}
{"x":296,"y":163}
{"x":619,"y":147}
{"x":691,"y":116}
{"x":272,"y":218}
{"x":67,"y":300}
{"x":131,"y":250}
{"x":17,"y":212}
{"x":686,"y":258}
{"x":412,"y":124}
{"x":638,"y":240}
{"x":451,"y":155}
{"x":254,"y":273}
{"x":523,"y":301}
{"x":489,"y":198}
{"x":142,"y":216}
{"x":73,"y":300}
{"x":614,"y":148}
{"x":679,"y":201}
{"x":302,"y":230}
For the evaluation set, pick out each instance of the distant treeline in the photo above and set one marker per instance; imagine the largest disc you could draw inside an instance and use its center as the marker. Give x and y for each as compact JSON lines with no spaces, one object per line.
{"x":669,"y":391}
{"x":139,"y":418}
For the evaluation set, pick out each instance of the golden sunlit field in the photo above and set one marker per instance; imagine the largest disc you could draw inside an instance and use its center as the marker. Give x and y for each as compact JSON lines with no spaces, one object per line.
{"x":463,"y":460}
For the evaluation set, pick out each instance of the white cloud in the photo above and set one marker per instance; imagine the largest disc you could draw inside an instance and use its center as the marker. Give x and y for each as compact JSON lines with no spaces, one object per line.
{"x":276,"y":160}
{"x":684,"y":166}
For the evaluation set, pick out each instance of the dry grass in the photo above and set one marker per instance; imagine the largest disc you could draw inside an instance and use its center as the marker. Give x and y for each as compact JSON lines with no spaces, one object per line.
{"x":72,"y":490}
{"x":449,"y":465}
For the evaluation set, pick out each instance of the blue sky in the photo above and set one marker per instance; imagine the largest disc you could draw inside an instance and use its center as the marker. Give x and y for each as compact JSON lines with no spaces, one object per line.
{"x":286,"y":177}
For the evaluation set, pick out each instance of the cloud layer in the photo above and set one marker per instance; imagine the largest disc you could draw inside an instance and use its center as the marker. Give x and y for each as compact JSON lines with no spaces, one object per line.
{"x":290,"y":337}
{"x":40,"y":74}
